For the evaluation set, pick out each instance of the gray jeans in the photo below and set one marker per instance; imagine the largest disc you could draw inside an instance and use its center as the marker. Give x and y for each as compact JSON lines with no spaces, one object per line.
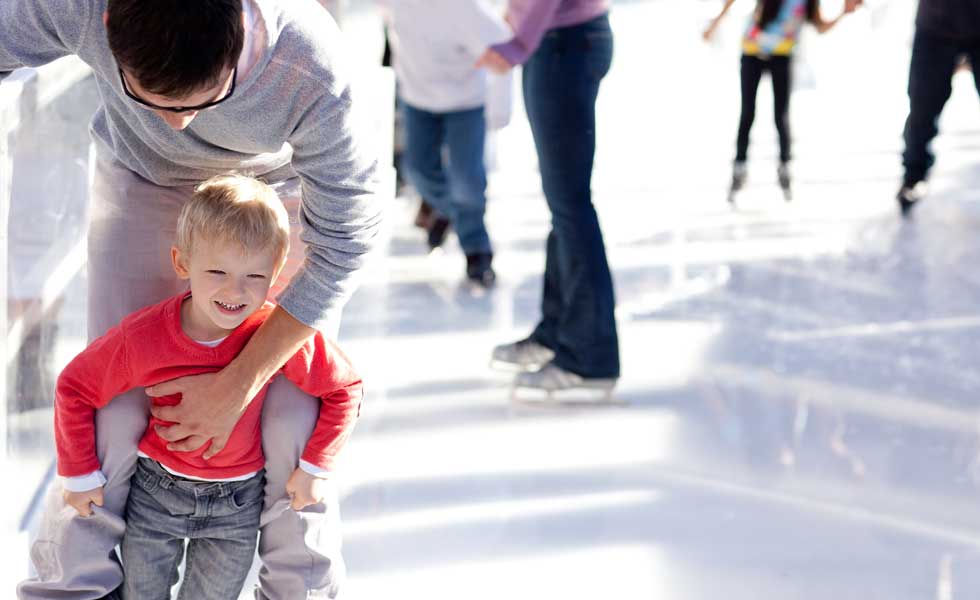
{"x":220,"y":520}
{"x":131,"y":230}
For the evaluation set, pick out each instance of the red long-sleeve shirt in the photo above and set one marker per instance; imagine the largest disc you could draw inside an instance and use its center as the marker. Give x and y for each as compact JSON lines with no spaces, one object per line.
{"x":149,"y":347}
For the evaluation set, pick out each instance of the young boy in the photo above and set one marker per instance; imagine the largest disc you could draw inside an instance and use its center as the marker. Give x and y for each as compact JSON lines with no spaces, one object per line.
{"x":436,"y":45}
{"x":232,"y":240}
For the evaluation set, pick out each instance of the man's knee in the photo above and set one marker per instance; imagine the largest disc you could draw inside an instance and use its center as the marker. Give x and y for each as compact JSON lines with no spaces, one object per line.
{"x":288,"y":418}
{"x":289,"y":415}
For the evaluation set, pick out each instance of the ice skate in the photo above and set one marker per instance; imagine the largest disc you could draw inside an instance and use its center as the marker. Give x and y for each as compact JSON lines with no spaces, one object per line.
{"x":738,"y":181}
{"x":479,"y":271}
{"x":555,"y":382}
{"x":782,"y":173}
{"x":521,"y":356}
{"x":909,"y":195}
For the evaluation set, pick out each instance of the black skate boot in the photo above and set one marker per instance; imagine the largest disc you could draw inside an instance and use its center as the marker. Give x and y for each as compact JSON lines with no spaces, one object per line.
{"x":782,"y":172}
{"x":738,"y":180}
{"x":909,"y":195}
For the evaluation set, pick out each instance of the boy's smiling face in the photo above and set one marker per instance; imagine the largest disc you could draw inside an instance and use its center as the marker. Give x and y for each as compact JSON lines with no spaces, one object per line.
{"x":227,"y":286}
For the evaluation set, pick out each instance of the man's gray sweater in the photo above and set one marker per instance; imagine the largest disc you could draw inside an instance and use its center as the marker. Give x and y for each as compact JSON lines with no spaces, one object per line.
{"x":290,"y":115}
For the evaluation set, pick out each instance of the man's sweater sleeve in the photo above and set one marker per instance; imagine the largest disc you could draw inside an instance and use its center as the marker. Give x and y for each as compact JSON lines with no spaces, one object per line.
{"x":100,"y":373}
{"x":321,"y":369}
{"x":36,"y":32}
{"x":341,"y":207}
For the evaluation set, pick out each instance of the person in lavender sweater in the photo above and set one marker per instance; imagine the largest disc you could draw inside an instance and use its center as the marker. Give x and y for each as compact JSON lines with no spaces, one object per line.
{"x":566,"y":48}
{"x":190,"y":89}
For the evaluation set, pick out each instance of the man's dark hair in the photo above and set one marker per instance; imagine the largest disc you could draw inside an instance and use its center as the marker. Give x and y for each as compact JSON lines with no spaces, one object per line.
{"x":175,"y":47}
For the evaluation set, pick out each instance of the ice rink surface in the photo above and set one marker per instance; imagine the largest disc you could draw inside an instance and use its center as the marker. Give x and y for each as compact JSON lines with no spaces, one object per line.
{"x":797,"y":416}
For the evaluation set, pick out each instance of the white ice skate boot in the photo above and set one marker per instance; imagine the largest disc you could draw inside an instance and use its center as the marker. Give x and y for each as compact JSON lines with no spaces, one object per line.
{"x":523,"y":355}
{"x":551,"y":378}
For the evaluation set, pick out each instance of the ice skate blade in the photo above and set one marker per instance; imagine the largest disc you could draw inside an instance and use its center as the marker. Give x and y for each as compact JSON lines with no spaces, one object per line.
{"x":509,"y":367}
{"x":475,"y":289}
{"x":571,"y":397}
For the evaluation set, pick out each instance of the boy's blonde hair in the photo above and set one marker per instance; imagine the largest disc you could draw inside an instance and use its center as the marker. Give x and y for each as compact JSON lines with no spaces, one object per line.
{"x":235,"y":209}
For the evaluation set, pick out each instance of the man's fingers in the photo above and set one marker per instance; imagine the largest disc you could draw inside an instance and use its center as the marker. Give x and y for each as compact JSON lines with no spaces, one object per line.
{"x":188,"y":444}
{"x":174,"y":386}
{"x":217,"y":445}
{"x":173,"y":433}
{"x":165,"y":413}
{"x":97,"y":498}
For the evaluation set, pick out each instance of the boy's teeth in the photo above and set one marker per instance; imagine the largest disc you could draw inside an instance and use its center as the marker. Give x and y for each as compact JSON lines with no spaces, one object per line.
{"x":229,"y":306}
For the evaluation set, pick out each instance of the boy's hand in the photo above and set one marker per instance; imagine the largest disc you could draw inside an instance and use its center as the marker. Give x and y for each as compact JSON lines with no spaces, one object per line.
{"x":82,"y":501}
{"x":305,"y":489}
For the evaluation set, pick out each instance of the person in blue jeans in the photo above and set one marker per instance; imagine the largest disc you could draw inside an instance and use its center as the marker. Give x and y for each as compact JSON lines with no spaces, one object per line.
{"x":455,"y":187}
{"x":946,"y":32}
{"x":566,"y":47}
{"x":435,"y":47}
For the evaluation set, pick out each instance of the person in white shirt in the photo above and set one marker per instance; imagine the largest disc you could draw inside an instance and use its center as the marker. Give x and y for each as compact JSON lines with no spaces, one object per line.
{"x":436,"y":44}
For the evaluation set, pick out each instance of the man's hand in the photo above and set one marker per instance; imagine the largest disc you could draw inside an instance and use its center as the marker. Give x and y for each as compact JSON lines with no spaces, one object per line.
{"x":492,"y":60}
{"x":82,"y":501}
{"x":305,"y":489}
{"x":210,"y":406}
{"x":852,"y":5}
{"x":212,"y":403}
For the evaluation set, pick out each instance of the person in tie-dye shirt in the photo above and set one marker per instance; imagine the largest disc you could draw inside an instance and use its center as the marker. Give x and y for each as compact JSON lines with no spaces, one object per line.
{"x":767,"y":45}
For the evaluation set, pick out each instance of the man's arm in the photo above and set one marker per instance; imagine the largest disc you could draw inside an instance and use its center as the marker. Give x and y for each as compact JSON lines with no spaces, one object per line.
{"x":36,"y":32}
{"x":337,"y":161}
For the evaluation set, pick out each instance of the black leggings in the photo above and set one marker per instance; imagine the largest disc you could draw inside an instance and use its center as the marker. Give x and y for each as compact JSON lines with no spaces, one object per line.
{"x":752,"y":69}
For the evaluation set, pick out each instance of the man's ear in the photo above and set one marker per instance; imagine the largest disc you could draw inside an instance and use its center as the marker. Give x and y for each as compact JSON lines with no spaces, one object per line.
{"x":105,"y":18}
{"x":178,"y":258}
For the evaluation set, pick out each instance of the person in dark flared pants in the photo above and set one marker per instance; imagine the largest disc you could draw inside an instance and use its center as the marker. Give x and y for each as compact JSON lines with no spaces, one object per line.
{"x":566,"y":47}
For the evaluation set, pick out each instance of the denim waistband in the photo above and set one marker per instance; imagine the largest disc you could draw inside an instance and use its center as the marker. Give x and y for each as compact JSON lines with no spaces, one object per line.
{"x":168,"y":479}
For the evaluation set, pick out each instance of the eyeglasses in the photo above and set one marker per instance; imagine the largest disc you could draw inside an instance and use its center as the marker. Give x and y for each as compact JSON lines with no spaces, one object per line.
{"x":179,"y":109}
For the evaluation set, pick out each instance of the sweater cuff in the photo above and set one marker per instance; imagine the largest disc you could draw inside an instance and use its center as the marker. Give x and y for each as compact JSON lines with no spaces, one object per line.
{"x":325,"y":320}
{"x":78,"y":469}
{"x":513,"y":51}
{"x":314,"y":470}
{"x":84,"y":483}
{"x":317,"y":463}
